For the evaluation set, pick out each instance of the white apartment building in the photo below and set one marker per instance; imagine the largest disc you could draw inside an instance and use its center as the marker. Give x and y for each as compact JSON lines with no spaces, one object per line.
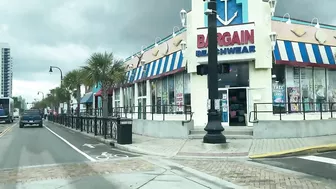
{"x":6,"y":70}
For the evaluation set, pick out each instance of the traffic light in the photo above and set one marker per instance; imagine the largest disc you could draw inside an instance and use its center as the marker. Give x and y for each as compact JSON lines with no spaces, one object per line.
{"x":202,"y":69}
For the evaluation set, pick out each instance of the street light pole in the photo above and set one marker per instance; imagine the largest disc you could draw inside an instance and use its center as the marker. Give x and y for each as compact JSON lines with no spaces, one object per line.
{"x":51,"y":70}
{"x":214,"y":127}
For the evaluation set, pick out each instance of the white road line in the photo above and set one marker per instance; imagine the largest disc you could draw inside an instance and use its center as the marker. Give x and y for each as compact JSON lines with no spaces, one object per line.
{"x":320,"y":159}
{"x":72,"y":146}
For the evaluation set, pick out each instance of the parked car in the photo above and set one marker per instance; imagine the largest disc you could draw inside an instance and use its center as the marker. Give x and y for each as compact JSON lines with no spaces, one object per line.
{"x":31,"y":117}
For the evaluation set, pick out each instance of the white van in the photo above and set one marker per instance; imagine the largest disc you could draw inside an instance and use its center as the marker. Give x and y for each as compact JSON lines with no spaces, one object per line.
{"x":16,"y":113}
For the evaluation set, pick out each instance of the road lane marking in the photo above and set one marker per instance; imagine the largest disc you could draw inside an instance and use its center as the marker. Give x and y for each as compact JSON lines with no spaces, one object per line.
{"x":7,"y":129}
{"x":89,"y":145}
{"x":72,"y":146}
{"x":106,"y":156}
{"x":320,"y":159}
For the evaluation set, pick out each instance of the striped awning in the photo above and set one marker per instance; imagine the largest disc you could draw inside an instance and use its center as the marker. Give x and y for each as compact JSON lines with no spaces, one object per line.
{"x":87,"y":98}
{"x":300,"y":54}
{"x":163,"y":66}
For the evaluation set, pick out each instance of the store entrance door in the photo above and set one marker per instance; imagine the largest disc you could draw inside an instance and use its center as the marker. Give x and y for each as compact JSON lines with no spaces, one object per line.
{"x":238,"y":106}
{"x":233,"y":106}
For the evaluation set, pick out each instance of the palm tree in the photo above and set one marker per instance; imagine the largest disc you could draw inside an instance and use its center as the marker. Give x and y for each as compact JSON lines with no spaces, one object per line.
{"x":73,"y":81}
{"x":105,"y":69}
{"x":62,"y":95}
{"x":58,"y":95}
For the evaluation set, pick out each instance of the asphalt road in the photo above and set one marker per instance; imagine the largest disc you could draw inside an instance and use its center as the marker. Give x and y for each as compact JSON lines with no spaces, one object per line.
{"x":56,"y":157}
{"x":28,"y":146}
{"x":321,"y":165}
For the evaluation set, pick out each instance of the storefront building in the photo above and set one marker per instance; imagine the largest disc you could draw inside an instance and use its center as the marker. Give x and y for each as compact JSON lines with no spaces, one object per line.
{"x":156,"y":82}
{"x":298,"y":67}
{"x":305,"y":68}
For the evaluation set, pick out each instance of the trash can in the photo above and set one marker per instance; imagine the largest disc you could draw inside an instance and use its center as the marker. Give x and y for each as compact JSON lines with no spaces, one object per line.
{"x":124,"y":133}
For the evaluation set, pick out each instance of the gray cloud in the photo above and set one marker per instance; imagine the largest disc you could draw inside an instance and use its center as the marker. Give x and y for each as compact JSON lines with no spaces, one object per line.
{"x":308,"y":9}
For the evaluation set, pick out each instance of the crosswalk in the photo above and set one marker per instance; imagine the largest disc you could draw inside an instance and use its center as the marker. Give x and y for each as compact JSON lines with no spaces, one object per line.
{"x":320,"y":165}
{"x":320,"y":159}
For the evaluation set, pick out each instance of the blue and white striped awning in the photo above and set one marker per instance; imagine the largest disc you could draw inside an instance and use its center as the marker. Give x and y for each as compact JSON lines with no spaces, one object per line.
{"x":156,"y":68}
{"x":296,"y":53}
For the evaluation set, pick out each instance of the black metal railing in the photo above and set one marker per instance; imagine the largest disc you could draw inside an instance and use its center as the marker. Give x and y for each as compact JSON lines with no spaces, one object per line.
{"x":106,"y":127}
{"x":282,"y":109}
{"x":144,"y":112}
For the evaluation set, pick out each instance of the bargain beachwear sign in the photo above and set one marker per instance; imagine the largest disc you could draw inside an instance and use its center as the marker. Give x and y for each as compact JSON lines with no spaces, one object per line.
{"x":233,"y":42}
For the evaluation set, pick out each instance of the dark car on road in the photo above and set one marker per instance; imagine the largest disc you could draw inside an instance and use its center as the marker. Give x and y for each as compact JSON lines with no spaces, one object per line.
{"x":31,"y":117}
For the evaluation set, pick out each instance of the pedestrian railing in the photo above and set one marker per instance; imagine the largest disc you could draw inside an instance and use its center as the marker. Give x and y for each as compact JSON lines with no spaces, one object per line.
{"x":150,"y":112}
{"x":304,"y":110}
{"x":107,"y":127}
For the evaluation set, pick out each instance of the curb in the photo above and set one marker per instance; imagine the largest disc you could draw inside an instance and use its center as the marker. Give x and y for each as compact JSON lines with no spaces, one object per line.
{"x":114,"y":143}
{"x":136,"y":150}
{"x":194,"y":175}
{"x":297,"y":152}
{"x":129,"y":148}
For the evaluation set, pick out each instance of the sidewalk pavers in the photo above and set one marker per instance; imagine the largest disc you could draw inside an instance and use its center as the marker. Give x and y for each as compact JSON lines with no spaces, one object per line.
{"x":253,"y":175}
{"x":278,"y":147}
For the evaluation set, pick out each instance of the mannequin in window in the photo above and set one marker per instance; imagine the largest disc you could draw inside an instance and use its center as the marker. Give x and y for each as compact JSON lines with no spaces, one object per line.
{"x":320,"y":96}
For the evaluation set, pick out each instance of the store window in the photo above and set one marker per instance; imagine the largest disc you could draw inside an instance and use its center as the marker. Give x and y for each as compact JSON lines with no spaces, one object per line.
{"x":320,"y":88}
{"x":332,"y":88}
{"x":179,"y":98}
{"x":142,"y":89}
{"x":171,"y":94}
{"x":308,"y":89}
{"x":165,"y":94}
{"x":159,"y":96}
{"x":186,"y":92}
{"x":117,"y":98}
{"x":238,"y":76}
{"x":153,"y":96}
{"x":279,"y":88}
{"x":125,"y":93}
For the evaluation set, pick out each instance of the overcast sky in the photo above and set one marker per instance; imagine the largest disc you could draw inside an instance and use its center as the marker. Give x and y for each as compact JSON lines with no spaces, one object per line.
{"x":64,"y":33}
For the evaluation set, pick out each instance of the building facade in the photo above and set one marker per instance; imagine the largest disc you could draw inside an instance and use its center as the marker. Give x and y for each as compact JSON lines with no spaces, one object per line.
{"x":6,"y":70}
{"x":291,"y":73}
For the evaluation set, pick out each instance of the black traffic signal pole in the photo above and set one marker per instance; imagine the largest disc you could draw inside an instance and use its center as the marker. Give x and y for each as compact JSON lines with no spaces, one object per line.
{"x":214,"y":127}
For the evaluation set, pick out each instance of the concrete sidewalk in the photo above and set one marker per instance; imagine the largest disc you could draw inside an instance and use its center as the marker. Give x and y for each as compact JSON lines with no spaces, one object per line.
{"x":252,"y":148}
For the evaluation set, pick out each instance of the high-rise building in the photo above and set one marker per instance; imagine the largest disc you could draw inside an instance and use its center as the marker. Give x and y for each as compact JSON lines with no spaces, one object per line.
{"x":6,"y":70}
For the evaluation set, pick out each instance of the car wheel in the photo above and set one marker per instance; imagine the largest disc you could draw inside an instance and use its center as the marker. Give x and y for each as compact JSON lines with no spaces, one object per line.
{"x":21,"y":125}
{"x":40,"y":125}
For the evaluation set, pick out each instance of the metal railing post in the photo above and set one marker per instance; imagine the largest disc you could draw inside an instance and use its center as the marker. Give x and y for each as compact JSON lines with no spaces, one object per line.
{"x":304,"y":111}
{"x":331,"y":109}
{"x":321,"y":110}
{"x":95,"y":125}
{"x":163,"y":112}
{"x":81,"y":123}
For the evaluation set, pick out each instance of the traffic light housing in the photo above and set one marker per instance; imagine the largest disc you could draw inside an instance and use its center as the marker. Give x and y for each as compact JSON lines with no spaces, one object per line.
{"x":202,"y":69}
{"x":223,"y":68}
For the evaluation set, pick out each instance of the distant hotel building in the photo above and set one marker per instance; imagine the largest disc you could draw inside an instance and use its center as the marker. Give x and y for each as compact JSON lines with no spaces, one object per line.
{"x":6,"y":71}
